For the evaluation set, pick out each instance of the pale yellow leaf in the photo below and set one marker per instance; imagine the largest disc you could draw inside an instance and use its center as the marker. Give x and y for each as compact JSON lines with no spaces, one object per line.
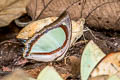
{"x":108,"y":66}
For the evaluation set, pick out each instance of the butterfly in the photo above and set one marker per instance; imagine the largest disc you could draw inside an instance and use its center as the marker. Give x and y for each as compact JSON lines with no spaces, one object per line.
{"x":51,"y":42}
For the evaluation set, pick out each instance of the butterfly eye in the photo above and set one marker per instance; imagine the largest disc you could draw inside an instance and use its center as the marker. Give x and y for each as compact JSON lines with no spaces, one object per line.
{"x":51,"y":42}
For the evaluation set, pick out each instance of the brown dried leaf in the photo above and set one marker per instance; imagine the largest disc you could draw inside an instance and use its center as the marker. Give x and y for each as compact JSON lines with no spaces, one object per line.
{"x":108,"y":66}
{"x":98,"y":13}
{"x":53,"y":7}
{"x":10,"y":10}
{"x":75,"y":65}
{"x":34,"y":8}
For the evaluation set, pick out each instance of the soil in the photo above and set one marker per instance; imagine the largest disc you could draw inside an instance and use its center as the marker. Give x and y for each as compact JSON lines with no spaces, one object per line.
{"x":11,"y":52}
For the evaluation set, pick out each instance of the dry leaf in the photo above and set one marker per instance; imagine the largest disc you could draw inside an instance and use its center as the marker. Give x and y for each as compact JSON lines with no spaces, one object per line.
{"x":108,"y":66}
{"x":11,"y":9}
{"x":57,"y":7}
{"x":34,"y":8}
{"x":98,"y":13}
{"x":75,"y":65}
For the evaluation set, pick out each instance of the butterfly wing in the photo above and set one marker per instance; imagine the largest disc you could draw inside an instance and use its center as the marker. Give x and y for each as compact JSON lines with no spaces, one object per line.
{"x":51,"y":42}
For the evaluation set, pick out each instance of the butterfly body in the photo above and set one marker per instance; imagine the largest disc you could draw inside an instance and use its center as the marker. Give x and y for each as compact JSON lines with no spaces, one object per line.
{"x":51,"y":42}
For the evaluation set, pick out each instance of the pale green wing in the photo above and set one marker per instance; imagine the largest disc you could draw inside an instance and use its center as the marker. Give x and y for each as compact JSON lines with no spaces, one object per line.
{"x":92,"y":54}
{"x":49,"y":73}
{"x":49,"y":41}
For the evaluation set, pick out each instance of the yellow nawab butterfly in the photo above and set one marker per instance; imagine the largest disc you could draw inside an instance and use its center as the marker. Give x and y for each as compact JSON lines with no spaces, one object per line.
{"x":51,"y":42}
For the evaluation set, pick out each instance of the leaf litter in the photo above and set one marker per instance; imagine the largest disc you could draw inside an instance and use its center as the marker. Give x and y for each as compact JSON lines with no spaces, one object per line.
{"x":105,"y":40}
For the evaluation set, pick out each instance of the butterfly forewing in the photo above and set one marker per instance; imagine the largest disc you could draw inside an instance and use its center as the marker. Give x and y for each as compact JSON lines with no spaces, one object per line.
{"x":51,"y":42}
